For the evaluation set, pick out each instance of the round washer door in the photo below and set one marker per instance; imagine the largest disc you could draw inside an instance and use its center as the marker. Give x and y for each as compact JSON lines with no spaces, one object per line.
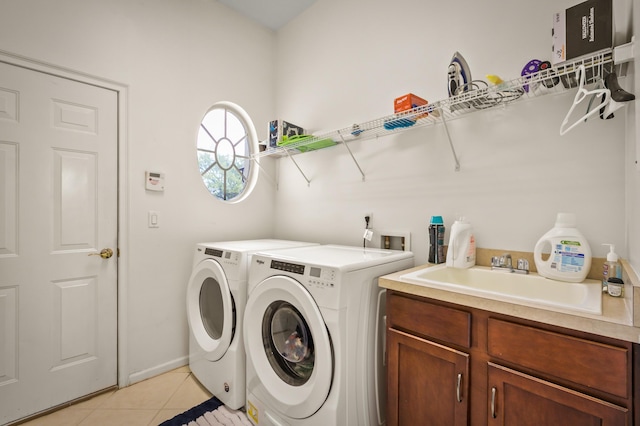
{"x":288,"y":344}
{"x":210,"y":309}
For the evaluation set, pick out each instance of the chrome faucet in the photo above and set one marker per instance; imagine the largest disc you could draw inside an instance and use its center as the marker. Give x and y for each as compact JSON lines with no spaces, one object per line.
{"x":505,"y":263}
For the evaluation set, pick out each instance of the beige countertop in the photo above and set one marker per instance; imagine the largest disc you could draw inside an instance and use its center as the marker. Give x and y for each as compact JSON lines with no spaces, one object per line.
{"x":617,"y":319}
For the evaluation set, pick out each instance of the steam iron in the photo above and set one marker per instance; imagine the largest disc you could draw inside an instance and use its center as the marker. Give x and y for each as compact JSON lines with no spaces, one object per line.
{"x":619,"y":97}
{"x":458,"y":75}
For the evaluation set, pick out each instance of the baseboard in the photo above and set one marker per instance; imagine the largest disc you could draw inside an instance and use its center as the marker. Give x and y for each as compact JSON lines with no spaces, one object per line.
{"x":157,"y":370}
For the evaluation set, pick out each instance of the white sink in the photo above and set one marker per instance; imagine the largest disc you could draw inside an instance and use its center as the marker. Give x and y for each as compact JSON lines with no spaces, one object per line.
{"x":523,"y":289}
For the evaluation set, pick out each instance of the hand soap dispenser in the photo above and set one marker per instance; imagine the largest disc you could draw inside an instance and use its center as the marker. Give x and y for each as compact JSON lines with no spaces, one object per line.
{"x":612,"y":267}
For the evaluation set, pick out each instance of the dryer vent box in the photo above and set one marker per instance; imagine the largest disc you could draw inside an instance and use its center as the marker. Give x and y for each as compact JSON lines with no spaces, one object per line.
{"x":395,"y":240}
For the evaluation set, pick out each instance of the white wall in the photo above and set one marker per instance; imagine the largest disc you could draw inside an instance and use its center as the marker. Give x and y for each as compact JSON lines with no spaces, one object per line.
{"x":344,"y":61}
{"x":177,"y":59}
{"x":340,"y":62}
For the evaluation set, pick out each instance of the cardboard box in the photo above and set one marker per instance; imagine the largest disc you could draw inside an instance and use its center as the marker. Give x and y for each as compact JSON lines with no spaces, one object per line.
{"x":581,"y":30}
{"x":407,"y":102}
{"x":280,"y":128}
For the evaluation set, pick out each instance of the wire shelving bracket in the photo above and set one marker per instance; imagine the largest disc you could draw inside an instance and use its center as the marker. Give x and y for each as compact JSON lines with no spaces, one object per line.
{"x":551,"y":80}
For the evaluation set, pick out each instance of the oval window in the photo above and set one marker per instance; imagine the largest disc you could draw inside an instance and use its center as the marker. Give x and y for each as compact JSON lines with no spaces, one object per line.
{"x":226,"y":143}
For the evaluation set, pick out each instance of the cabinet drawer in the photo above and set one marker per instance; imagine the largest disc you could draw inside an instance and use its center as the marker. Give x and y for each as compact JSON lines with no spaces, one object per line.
{"x":596,"y":365}
{"x":426,"y":319}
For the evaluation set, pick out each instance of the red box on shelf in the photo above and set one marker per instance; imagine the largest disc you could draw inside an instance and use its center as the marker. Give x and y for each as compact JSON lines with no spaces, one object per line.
{"x":407,"y":102}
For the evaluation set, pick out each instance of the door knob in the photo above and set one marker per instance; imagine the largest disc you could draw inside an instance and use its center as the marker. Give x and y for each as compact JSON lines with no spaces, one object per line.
{"x":105,"y":253}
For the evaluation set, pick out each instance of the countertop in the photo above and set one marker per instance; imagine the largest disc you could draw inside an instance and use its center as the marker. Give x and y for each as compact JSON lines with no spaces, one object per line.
{"x":616,"y":321}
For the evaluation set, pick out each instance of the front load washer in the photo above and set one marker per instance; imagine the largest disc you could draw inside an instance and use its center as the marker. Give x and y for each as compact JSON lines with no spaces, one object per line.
{"x":313,"y":332}
{"x":216,"y":298}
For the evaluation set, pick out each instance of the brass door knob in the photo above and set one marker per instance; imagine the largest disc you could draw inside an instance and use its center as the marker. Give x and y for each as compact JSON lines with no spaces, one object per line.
{"x":105,"y":253}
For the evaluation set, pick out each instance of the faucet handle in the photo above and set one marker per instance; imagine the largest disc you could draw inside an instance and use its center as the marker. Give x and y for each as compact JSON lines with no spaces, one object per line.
{"x":523,"y":265}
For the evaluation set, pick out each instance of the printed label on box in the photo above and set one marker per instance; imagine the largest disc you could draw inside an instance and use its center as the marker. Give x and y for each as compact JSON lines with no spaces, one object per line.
{"x":280,"y":128}
{"x":582,"y":29}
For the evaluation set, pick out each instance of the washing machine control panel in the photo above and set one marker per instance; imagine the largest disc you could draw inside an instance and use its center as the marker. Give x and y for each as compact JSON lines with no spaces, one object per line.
{"x":321,"y":277}
{"x":317,"y":277}
{"x":287,"y":267}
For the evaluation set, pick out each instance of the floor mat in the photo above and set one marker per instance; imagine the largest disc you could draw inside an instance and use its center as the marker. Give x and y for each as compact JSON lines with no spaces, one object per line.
{"x":210,"y":413}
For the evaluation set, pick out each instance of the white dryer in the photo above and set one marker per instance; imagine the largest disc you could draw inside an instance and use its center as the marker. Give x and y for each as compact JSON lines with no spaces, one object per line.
{"x":216,"y":298}
{"x":314,"y":335}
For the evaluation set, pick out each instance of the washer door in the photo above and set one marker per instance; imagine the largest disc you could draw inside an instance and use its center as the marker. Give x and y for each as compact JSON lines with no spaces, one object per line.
{"x":288,"y":344}
{"x":210,"y":309}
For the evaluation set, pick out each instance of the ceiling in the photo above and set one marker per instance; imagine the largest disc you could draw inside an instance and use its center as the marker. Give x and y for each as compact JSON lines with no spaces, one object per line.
{"x":270,"y":13}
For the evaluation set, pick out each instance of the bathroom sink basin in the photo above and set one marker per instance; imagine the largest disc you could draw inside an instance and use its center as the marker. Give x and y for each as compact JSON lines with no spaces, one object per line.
{"x":524,"y":289}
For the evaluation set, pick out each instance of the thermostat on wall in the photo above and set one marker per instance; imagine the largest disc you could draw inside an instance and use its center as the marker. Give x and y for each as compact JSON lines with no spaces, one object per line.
{"x":154,"y":181}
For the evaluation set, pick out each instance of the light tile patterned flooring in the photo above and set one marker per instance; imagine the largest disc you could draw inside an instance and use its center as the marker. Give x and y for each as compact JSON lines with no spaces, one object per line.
{"x":149,"y":402}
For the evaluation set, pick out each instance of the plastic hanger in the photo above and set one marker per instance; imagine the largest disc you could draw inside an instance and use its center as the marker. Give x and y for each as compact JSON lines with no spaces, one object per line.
{"x":581,"y":95}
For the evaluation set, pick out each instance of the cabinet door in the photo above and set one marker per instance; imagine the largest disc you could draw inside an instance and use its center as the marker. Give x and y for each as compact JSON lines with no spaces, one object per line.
{"x":517,"y":399}
{"x":428,"y":383}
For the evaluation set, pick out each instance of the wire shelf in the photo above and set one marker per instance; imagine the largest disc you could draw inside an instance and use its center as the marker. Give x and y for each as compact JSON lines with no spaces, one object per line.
{"x":480,"y":96}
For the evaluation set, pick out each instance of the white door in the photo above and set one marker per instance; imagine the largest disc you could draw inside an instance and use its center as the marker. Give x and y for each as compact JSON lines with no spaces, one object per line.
{"x":58,"y":205}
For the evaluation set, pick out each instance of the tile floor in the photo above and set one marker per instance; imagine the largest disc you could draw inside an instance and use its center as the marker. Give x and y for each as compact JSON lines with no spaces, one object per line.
{"x":146,"y":403}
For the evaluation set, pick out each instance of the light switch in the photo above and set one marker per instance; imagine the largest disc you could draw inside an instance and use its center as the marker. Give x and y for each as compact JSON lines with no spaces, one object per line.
{"x":154,"y":219}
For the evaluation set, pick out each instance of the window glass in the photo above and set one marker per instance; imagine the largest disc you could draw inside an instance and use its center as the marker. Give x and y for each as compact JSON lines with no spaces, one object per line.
{"x":288,"y":343}
{"x":212,"y":308}
{"x":226,"y":141}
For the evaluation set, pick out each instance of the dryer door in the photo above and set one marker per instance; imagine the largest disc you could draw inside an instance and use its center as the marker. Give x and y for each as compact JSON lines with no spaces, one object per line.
{"x":210,"y":309}
{"x":289,"y":346}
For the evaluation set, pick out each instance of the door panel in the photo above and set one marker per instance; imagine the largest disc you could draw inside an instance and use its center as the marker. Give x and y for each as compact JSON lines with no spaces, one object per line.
{"x":74,"y":228}
{"x":428,"y":382}
{"x":58,"y":206}
{"x":8,"y":196}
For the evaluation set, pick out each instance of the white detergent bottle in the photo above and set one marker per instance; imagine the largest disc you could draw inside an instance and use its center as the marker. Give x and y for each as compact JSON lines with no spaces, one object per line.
{"x":569,"y":252}
{"x":462,"y":245}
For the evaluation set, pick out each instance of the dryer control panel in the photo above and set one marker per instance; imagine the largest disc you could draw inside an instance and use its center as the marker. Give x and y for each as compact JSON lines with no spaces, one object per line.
{"x":227,"y":256}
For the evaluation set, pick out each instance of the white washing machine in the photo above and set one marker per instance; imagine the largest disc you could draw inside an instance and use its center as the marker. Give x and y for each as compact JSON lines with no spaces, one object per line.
{"x":314,"y":335}
{"x":216,"y":297}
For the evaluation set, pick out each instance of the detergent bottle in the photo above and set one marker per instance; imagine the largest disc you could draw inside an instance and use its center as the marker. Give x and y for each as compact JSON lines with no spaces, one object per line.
{"x":462,"y":245}
{"x":570,"y":254}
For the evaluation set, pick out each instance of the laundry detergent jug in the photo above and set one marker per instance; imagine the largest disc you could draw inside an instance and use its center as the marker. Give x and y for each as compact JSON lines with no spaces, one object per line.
{"x":462,"y":245}
{"x":570,"y":254}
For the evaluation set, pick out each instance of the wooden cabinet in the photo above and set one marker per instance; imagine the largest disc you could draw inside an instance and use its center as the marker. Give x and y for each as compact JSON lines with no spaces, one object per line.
{"x":519,"y":399}
{"x":430,"y":382}
{"x":454,"y":365}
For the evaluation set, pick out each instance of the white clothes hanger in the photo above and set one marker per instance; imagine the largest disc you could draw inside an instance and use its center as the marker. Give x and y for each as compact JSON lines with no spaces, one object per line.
{"x":581,"y":95}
